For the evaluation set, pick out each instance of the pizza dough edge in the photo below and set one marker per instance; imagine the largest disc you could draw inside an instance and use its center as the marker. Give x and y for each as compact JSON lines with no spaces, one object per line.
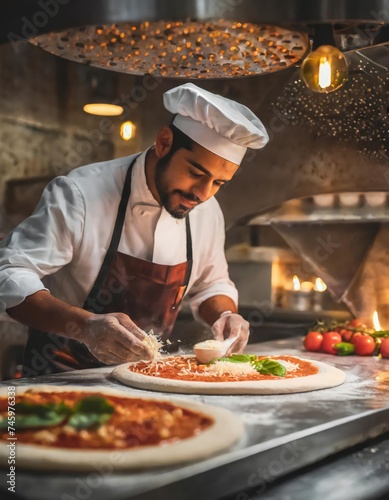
{"x":208,"y":443}
{"x":327,"y":377}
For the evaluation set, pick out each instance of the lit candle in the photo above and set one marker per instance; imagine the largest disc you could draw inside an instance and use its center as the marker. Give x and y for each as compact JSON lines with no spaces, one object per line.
{"x":296,"y":283}
{"x":320,"y":287}
{"x":306,"y":286}
{"x":376,"y":322}
{"x":299,"y":298}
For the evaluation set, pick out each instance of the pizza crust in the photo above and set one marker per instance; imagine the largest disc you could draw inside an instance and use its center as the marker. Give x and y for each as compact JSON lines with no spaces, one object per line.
{"x":327,"y":376}
{"x":211,"y":441}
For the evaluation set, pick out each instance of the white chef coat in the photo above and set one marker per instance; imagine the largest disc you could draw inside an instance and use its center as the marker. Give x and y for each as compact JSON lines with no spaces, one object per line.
{"x":61,"y":246}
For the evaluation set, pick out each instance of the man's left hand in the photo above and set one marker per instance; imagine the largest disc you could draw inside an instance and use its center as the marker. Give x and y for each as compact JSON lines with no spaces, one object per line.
{"x":232,"y":325}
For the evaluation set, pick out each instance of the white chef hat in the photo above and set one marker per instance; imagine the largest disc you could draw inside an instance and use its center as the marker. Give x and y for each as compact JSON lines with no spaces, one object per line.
{"x":220,"y":125}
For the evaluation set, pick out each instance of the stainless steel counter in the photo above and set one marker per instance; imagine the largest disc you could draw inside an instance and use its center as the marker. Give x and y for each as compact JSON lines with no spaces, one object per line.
{"x":284,"y":434}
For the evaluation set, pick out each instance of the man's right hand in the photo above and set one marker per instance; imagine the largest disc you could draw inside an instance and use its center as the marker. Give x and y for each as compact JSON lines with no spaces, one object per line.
{"x":114,"y":338}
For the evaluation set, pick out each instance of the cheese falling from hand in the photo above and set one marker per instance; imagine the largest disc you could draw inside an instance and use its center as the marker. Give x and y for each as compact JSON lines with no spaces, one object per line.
{"x":154,"y":344}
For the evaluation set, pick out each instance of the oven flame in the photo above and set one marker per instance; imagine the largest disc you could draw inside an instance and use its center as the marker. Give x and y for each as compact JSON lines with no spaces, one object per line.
{"x":376,"y":322}
{"x":320,"y":286}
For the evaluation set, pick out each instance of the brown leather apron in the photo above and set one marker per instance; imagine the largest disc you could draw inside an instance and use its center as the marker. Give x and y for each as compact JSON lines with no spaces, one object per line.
{"x":149,"y":293}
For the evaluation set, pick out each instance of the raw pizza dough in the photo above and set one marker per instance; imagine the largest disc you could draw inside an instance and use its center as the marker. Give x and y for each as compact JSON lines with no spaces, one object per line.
{"x":327,"y":376}
{"x":226,"y":429}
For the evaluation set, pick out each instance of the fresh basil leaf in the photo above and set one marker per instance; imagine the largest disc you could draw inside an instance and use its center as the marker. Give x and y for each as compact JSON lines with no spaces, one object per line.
{"x":90,"y":412}
{"x":50,"y":419}
{"x":88,"y":420}
{"x":30,"y":415}
{"x":236,"y":358}
{"x":25,"y":408}
{"x":3,"y":423}
{"x":269,"y":367}
{"x":96,"y":404}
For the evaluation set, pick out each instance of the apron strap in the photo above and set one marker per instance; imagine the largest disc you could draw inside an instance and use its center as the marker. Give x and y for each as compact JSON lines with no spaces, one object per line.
{"x":115,"y":240}
{"x":189,"y":252}
{"x":113,"y":246}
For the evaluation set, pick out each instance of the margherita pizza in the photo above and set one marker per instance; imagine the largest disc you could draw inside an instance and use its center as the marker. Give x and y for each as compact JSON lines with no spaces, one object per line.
{"x":236,"y":374}
{"x":73,"y":428}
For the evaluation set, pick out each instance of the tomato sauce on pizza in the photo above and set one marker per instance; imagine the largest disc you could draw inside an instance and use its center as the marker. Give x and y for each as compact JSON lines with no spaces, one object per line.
{"x":134,"y":423}
{"x":189,"y":369}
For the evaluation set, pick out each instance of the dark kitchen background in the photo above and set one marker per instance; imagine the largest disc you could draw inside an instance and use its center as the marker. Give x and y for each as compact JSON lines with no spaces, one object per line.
{"x":306,"y":217}
{"x":311,"y":204}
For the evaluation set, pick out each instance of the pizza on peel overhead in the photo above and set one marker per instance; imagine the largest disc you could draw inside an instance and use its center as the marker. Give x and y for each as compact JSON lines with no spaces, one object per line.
{"x":236,"y":374}
{"x":81,"y":428}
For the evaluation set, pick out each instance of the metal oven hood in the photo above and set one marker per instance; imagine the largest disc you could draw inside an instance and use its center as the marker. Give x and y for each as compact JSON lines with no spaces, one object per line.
{"x":190,"y":38}
{"x":16,"y":15}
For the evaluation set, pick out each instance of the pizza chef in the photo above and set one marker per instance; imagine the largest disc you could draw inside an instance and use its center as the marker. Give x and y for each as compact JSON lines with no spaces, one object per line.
{"x":113,"y":247}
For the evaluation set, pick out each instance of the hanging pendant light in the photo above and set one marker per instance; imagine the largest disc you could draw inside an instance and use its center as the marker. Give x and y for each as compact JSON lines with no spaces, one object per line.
{"x":101,"y":100}
{"x":325,"y":69}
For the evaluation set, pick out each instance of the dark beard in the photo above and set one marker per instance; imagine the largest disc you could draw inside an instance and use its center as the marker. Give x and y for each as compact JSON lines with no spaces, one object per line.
{"x":179,"y":212}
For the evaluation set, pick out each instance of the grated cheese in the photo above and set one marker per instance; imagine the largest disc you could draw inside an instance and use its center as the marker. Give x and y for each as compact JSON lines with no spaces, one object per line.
{"x":290,"y":367}
{"x":209,"y":344}
{"x":219,"y":369}
{"x":154,"y":344}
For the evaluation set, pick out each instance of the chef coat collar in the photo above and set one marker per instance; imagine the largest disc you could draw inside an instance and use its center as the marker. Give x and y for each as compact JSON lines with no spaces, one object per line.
{"x":142,"y":194}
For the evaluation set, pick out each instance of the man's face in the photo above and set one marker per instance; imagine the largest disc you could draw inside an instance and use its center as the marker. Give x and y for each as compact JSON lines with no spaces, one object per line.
{"x":190,"y":178}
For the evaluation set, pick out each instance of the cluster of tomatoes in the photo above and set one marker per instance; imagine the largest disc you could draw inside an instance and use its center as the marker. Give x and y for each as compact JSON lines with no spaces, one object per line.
{"x":348,"y":338}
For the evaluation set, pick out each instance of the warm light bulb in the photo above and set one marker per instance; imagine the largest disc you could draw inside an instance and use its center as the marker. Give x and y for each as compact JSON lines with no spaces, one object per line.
{"x":103,"y":109}
{"x":127,"y":130}
{"x":325,"y":69}
{"x":324,"y":78}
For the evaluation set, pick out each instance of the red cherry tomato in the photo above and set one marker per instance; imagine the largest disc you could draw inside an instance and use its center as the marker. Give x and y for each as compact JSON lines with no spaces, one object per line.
{"x":312,"y":341}
{"x":384,"y":348}
{"x":364,"y":345}
{"x":346,"y":334}
{"x":356,"y":323}
{"x":356,"y":335}
{"x":329,"y":340}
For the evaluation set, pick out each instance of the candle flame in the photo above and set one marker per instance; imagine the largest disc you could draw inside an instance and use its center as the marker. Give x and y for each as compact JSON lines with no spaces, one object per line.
{"x":296,"y":283}
{"x":376,"y":322}
{"x":320,"y":286}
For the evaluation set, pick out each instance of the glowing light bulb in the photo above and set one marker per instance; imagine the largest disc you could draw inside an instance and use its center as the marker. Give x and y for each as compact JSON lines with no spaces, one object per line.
{"x":127,"y":130}
{"x":325,"y":69}
{"x":324,"y":78}
{"x":103,"y":109}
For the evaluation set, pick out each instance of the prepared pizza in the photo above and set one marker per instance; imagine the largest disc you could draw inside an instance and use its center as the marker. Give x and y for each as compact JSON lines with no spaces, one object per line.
{"x":236,"y":374}
{"x":80,"y":428}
